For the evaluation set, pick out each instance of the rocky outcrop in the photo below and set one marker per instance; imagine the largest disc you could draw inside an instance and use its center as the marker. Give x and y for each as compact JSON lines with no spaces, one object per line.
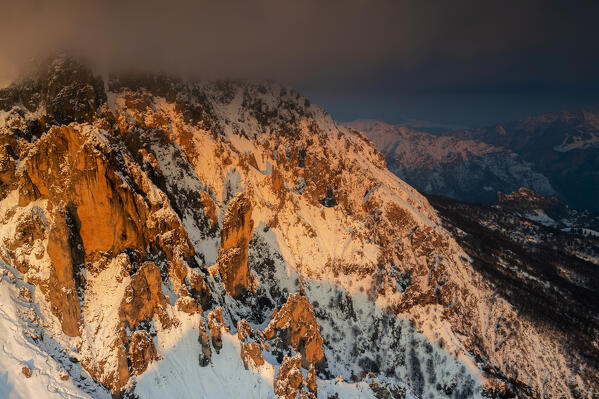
{"x":143,"y":297}
{"x":116,"y":206}
{"x":209,"y":208}
{"x":7,"y":170}
{"x":277,"y":179}
{"x":204,"y":340}
{"x":289,"y":380}
{"x":199,"y":289}
{"x":311,"y":380}
{"x":67,"y":165}
{"x":233,"y":253}
{"x":526,"y":199}
{"x":296,"y":325}
{"x":186,"y":304}
{"x":215,"y":324}
{"x":251,"y":349}
{"x":244,"y":330}
{"x":251,"y":354}
{"x":141,"y":351}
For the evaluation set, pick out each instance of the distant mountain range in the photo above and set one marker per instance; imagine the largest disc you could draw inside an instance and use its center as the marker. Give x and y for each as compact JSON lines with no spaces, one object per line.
{"x":464,"y":169}
{"x":563,"y":146}
{"x":553,"y":154}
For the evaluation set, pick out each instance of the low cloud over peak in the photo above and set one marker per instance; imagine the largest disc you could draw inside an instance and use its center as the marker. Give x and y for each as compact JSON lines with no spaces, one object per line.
{"x":356,"y":46}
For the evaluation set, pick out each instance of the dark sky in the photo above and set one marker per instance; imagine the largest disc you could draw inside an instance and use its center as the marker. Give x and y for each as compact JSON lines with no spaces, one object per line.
{"x":457,"y":62}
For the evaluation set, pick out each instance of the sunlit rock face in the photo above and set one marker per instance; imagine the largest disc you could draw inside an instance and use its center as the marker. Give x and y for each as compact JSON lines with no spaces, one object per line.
{"x":296,"y":325}
{"x":235,"y":238}
{"x":151,"y":216}
{"x":288,"y":383}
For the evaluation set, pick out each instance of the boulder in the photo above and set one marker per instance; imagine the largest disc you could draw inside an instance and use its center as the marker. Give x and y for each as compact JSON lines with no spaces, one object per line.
{"x":232,"y":257}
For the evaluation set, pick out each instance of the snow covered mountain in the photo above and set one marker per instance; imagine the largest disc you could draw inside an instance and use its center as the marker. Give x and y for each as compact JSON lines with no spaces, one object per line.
{"x":467,"y":169}
{"x":164,"y":238}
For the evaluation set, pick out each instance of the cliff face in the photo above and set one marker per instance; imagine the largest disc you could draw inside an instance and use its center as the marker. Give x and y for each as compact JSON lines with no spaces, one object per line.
{"x":150,"y":214}
{"x":233,"y":252}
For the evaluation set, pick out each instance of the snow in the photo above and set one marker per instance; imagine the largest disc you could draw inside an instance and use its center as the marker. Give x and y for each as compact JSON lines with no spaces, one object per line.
{"x":178,"y":374}
{"x":18,"y":350}
{"x":100,"y":312}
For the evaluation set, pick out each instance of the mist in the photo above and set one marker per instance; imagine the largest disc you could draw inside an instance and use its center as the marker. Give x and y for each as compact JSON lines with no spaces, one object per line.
{"x":330,"y":49}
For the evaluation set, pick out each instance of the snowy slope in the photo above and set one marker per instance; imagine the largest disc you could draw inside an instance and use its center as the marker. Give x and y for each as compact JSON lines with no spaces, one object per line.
{"x":24,"y":343}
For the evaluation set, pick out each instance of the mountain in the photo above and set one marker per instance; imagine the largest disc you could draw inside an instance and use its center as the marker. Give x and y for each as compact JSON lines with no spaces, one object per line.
{"x":169,"y":238}
{"x":547,"y":274}
{"x":465,"y":169}
{"x":563,"y":146}
{"x":548,"y":211}
{"x":424,"y":126}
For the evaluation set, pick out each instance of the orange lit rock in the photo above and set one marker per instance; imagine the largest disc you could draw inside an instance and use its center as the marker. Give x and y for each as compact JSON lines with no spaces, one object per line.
{"x":66,"y":165}
{"x":62,"y":293}
{"x":296,"y":325}
{"x":141,"y":351}
{"x":215,"y":323}
{"x":7,"y":171}
{"x":232,"y":257}
{"x":277,"y":180}
{"x":289,"y":379}
{"x":199,"y":288}
{"x":143,"y":297}
{"x":251,"y":355}
{"x":26,"y":371}
{"x":209,"y":208}
{"x":311,"y":380}
{"x":251,"y":351}
{"x":186,"y":304}
{"x":244,"y":330}
{"x":204,"y":339}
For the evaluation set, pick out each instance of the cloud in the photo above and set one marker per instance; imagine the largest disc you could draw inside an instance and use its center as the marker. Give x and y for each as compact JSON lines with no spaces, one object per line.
{"x":336,"y":44}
